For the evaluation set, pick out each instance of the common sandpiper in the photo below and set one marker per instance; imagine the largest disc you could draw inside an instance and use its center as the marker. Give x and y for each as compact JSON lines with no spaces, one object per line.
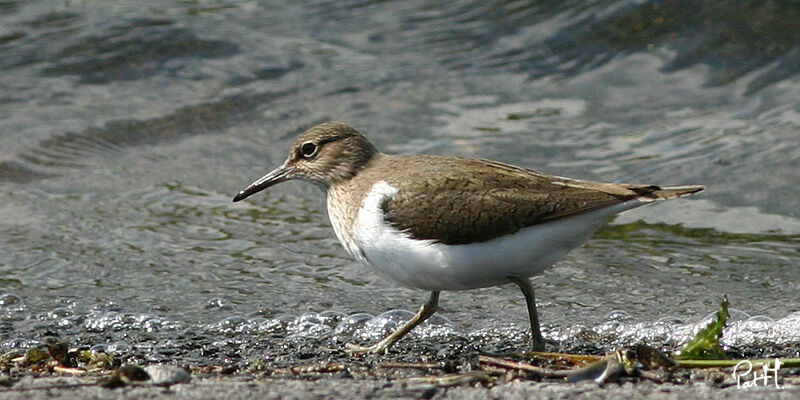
{"x":438,"y":223}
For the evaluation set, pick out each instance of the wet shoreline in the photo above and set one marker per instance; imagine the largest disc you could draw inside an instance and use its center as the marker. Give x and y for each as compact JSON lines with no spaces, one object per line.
{"x":362,"y":379}
{"x":126,"y":129}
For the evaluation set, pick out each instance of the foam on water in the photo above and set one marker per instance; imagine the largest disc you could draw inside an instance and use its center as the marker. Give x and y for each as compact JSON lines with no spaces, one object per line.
{"x":105,"y":321}
{"x":157,"y":338}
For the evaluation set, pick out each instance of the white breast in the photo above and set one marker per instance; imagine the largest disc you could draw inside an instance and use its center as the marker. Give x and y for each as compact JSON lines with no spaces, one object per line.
{"x":425,"y":264}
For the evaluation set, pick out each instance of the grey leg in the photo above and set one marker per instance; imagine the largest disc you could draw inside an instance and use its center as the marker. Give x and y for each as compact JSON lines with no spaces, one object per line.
{"x":537,"y":342}
{"x":424,"y":313}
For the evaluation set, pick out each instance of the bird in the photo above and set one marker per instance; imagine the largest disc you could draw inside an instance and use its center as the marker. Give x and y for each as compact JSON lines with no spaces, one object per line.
{"x":449,"y":223}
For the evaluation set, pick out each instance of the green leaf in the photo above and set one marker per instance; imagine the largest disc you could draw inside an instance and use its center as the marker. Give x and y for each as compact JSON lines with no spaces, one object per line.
{"x":705,"y":346}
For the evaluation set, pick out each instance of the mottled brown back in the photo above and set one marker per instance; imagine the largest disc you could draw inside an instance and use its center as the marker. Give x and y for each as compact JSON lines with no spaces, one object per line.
{"x":456,"y":200}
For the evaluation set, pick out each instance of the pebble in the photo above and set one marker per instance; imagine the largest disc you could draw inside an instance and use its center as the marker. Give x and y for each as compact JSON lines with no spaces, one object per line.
{"x":167,"y":374}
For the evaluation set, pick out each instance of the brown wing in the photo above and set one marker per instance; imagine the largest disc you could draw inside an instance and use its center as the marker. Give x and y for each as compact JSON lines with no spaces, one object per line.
{"x":459,"y":200}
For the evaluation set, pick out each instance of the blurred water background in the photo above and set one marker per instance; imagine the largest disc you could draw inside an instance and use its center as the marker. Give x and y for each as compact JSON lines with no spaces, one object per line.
{"x":126,"y":128}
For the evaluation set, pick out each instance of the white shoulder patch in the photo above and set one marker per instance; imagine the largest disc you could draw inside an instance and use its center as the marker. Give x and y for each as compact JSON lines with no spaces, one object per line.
{"x":370,"y":227}
{"x":379,"y":193}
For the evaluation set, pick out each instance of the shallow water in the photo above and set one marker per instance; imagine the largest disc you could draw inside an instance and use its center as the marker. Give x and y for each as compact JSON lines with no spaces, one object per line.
{"x":126,"y":130}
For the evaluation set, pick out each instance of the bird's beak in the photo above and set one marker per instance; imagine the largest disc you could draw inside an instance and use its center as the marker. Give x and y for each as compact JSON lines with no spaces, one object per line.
{"x":274,"y":177}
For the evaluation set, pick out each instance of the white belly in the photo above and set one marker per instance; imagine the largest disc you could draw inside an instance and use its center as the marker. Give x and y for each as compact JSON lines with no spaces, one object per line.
{"x":425,"y":264}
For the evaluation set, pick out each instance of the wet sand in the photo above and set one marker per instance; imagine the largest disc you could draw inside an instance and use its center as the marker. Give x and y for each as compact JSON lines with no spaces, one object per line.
{"x":247,"y":387}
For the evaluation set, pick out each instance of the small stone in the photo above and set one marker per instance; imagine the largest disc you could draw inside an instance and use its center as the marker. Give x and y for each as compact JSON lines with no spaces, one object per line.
{"x":6,"y":381}
{"x":167,"y":374}
{"x":133,"y":373}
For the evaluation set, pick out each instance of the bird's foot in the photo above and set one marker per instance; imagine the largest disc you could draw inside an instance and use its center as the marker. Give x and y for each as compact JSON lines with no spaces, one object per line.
{"x":356,"y":350}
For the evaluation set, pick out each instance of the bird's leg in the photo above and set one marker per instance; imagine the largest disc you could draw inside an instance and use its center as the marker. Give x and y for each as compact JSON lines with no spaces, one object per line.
{"x":537,"y":342}
{"x":424,"y":313}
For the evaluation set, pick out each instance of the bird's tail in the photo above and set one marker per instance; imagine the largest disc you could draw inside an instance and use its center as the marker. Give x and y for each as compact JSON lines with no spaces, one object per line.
{"x":665,"y":193}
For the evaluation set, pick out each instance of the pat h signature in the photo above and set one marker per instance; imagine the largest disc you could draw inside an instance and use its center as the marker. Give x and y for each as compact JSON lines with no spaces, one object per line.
{"x":748,"y":376}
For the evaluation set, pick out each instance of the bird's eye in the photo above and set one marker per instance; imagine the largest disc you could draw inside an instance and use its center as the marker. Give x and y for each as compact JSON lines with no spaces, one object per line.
{"x":308,"y":149}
